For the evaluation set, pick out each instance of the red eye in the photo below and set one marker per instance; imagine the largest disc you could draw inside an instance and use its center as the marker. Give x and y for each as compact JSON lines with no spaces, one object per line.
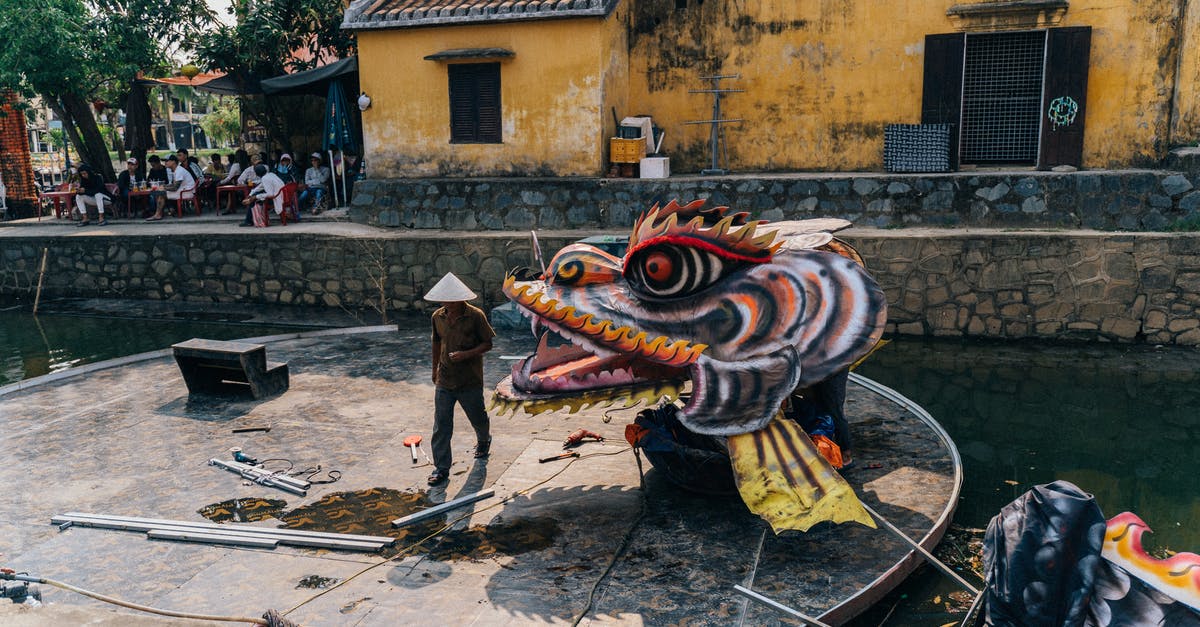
{"x":658,"y":266}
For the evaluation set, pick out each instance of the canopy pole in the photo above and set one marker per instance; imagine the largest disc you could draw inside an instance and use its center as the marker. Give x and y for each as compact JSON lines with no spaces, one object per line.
{"x":345,"y":197}
{"x":333,"y":180}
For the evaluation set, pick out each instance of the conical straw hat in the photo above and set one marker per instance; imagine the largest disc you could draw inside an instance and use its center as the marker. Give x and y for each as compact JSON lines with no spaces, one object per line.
{"x":449,"y":289}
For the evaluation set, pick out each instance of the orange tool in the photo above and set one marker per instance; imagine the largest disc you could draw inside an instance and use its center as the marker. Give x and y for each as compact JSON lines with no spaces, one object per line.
{"x":413,"y":442}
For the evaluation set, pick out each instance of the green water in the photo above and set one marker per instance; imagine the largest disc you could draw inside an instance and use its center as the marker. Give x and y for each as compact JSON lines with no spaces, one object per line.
{"x":31,"y":347}
{"x":1120,"y":422}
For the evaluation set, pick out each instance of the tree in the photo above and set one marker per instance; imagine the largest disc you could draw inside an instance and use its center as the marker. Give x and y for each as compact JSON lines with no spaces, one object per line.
{"x":47,"y":50}
{"x":276,"y":37}
{"x":141,"y":36}
{"x":223,"y":122}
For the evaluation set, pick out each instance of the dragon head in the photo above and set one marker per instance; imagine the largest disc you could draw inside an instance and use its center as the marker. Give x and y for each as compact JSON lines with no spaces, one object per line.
{"x":743,"y":313}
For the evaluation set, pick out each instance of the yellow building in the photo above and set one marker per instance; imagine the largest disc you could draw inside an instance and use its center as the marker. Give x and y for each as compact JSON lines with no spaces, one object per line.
{"x":527,"y":88}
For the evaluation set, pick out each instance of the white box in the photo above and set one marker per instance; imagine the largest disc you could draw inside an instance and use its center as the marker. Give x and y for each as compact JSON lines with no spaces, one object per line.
{"x":656,"y":167}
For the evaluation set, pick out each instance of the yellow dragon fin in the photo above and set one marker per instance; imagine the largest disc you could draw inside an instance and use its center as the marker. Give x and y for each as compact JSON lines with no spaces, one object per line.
{"x":785,"y":480}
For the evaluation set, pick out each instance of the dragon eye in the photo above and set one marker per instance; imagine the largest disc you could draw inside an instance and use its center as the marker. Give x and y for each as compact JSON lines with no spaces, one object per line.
{"x":668,"y":271}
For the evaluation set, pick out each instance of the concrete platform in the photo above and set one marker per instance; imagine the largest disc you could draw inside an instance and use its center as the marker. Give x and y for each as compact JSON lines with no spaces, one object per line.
{"x":128,"y":440}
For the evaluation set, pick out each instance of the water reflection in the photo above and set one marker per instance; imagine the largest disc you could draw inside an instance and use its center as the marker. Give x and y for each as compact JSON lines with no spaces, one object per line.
{"x":1119,"y":421}
{"x":31,"y":347}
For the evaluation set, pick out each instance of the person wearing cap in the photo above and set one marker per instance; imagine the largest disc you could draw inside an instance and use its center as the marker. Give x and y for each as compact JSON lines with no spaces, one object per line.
{"x":461,"y":335}
{"x":126,"y":181}
{"x":285,"y":170}
{"x":182,"y":185}
{"x":316,"y":183}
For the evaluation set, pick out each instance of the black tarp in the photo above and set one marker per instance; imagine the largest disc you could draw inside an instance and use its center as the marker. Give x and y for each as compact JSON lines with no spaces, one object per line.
{"x":315,"y":82}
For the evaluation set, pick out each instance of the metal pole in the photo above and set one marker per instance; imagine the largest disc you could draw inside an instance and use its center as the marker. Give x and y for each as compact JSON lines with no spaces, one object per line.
{"x":714,"y":138}
{"x":778,"y":607}
{"x":920,"y":549}
{"x":438,"y":509}
{"x":345,"y":195}
{"x":333,"y":180}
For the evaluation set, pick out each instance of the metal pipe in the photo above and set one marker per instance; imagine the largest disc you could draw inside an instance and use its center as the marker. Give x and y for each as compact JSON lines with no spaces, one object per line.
{"x":438,"y":509}
{"x":212,"y":538}
{"x":248,"y":529}
{"x":777,"y":606}
{"x":920,"y":549}
{"x":237,"y":532}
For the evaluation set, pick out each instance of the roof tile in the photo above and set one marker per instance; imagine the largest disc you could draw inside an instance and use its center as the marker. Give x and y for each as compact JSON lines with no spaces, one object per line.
{"x":369,"y":14}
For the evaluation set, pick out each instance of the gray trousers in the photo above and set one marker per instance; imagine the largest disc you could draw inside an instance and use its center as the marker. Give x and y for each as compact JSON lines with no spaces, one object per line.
{"x":471,"y":400}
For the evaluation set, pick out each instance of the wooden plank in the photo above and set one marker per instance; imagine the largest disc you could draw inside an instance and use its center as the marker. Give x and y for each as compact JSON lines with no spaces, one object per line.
{"x":444,"y":507}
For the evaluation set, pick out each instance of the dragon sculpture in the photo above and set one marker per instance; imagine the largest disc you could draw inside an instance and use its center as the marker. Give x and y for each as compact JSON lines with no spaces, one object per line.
{"x":729,"y":313}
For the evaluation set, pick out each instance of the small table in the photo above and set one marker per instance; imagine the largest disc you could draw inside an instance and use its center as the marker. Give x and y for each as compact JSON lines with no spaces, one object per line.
{"x":60,"y":198}
{"x":136,"y":193}
{"x":229,"y":189}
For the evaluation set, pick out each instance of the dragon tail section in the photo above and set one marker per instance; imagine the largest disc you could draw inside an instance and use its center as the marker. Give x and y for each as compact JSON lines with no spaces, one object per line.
{"x":1177,"y":576}
{"x":785,"y":480}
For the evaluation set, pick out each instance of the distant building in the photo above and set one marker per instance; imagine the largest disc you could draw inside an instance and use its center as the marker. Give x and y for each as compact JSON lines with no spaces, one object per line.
{"x":16,"y":167}
{"x":501,"y":87}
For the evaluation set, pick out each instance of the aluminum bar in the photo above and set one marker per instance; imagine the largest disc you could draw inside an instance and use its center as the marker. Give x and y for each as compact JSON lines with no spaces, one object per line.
{"x":386,"y":540}
{"x":241,"y":532}
{"x":933,"y":561}
{"x":777,"y":606}
{"x":444,"y":507}
{"x":211,"y":538}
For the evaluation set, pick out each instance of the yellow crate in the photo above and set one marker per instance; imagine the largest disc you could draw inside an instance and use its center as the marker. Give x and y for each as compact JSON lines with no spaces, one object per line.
{"x":626,"y":150}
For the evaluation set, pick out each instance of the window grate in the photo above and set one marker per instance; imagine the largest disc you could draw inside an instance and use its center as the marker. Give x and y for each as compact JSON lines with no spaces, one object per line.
{"x":1002,"y":94}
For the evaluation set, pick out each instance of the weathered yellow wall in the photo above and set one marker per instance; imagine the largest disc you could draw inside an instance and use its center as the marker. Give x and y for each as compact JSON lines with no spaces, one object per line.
{"x":1186,"y":123}
{"x":823,"y":77}
{"x":552,"y":100}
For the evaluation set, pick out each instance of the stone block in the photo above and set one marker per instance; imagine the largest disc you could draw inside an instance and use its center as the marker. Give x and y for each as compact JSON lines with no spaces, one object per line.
{"x":1176,"y":184}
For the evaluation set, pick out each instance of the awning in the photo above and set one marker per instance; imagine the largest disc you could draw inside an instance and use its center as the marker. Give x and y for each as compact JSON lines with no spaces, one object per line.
{"x":315,"y":81}
{"x":211,"y":82}
{"x":471,"y":53}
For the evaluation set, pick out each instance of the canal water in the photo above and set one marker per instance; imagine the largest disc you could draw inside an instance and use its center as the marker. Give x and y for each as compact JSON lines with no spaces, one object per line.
{"x":1122,"y":422}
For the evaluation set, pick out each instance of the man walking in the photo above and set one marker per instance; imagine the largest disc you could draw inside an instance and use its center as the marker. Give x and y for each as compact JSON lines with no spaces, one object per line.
{"x":461,"y":335}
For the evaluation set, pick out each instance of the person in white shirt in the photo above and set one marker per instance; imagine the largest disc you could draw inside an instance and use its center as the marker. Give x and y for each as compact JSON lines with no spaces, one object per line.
{"x":183,"y":185}
{"x":270,"y":187}
{"x":249,"y":177}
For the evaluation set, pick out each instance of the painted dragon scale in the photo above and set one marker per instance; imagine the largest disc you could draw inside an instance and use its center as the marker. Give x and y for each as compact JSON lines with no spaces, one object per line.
{"x":738,"y":312}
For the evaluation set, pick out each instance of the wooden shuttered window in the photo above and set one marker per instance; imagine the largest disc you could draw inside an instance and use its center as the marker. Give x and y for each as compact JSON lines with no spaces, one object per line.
{"x":1068,"y":52}
{"x":474,"y":103}
{"x":941,"y":94}
{"x":1064,"y":70}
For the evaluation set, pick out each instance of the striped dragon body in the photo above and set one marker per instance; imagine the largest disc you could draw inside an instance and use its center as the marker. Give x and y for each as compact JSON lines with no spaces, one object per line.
{"x":743,"y":313}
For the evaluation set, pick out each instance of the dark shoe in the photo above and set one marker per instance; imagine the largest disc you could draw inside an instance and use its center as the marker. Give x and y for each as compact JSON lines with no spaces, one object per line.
{"x":153,"y":219}
{"x":245,"y":224}
{"x":83,"y":223}
{"x":438,"y":477}
{"x":102,"y":223}
{"x":483,"y":449}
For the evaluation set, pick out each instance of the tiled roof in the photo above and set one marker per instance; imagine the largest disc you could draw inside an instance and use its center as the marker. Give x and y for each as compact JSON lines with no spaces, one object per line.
{"x":365,"y":14}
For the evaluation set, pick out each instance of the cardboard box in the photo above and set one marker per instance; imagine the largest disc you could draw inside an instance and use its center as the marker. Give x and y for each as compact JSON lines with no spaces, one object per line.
{"x":656,"y":168}
{"x":626,"y":150}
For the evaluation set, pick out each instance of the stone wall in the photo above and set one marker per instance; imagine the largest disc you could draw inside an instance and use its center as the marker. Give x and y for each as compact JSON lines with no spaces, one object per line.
{"x":1149,"y":200}
{"x":981,"y":283}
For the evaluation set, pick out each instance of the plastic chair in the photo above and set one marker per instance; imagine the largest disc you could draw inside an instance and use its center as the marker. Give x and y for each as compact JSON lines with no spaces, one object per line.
{"x":291,"y":202}
{"x":195,"y":200}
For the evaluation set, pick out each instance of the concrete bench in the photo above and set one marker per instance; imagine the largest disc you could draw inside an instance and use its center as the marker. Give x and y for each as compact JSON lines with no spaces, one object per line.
{"x":228,"y":368}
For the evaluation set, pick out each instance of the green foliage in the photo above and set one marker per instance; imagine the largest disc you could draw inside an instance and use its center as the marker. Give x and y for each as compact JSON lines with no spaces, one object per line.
{"x":276,"y":36}
{"x":56,"y":138}
{"x":1187,"y":224}
{"x":223,"y":123}
{"x":45,"y":48}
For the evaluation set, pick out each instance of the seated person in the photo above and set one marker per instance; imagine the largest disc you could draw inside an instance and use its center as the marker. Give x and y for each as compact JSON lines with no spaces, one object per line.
{"x":238,"y":162}
{"x":316,"y":183}
{"x":126,"y":180}
{"x":250,"y":177}
{"x":215,"y":168}
{"x":157,"y":178}
{"x":285,"y":170}
{"x":183,"y":186}
{"x":270,"y":187}
{"x":92,"y":193}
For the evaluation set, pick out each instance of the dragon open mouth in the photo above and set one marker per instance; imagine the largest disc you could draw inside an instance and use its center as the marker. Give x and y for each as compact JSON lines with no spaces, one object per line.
{"x":580,"y":361}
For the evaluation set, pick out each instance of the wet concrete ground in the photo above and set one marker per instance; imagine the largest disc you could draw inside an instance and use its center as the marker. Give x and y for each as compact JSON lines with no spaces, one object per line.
{"x":129,"y":441}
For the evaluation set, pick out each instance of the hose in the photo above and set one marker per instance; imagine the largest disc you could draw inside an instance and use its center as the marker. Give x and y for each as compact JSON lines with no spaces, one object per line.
{"x":271,"y":618}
